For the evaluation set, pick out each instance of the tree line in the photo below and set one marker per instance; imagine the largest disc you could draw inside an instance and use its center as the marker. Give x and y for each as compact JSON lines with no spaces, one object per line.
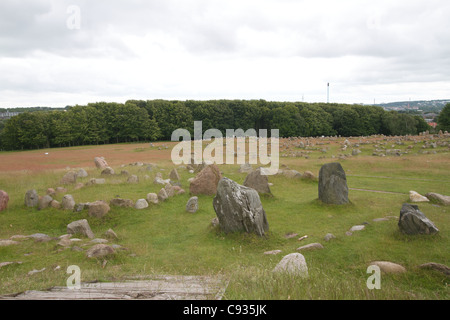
{"x":152,"y":120}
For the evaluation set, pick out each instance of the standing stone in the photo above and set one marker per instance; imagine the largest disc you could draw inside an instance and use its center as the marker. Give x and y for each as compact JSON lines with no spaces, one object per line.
{"x":4,"y":199}
{"x":31,"y":198}
{"x":98,"y":209}
{"x":174,"y":176}
{"x":82,"y":173}
{"x":44,"y":202}
{"x":293,"y":264}
{"x":239,"y":208}
{"x":162,"y":195}
{"x":412,"y":221}
{"x":256,"y":180}
{"x":141,"y":204}
{"x":192,"y":205}
{"x":100,"y":163}
{"x":206,"y":181}
{"x":81,"y":227}
{"x":69,"y":178}
{"x":68,"y":203}
{"x":333,"y":187}
{"x":152,"y":198}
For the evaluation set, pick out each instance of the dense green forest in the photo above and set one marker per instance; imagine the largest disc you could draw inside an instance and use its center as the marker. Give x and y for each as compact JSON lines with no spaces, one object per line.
{"x":151,"y":120}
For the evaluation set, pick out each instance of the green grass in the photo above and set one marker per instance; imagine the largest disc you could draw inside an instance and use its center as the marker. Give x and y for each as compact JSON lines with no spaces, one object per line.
{"x":165,"y":239}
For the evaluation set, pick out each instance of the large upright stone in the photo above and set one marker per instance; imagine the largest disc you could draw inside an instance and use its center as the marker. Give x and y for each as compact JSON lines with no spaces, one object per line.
{"x":412,"y":221}
{"x":4,"y":199}
{"x":206,"y":181}
{"x":100,"y":163}
{"x":174,"y":176}
{"x":239,"y":208}
{"x":192,"y":205}
{"x":333,"y":187}
{"x":31,"y":198}
{"x":69,"y":178}
{"x":258,"y":181}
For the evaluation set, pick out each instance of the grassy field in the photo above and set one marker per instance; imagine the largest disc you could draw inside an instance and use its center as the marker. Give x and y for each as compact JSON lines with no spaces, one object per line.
{"x":165,"y":239}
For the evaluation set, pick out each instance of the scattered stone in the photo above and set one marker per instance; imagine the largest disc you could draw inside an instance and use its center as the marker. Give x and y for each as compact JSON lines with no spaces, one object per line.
{"x":162,"y":195}
{"x":416,"y":197}
{"x":436,"y":266}
{"x":51,"y":191}
{"x":174,"y":175}
{"x":82,"y":173}
{"x":412,"y":221}
{"x":44,"y":202}
{"x":4,"y":199}
{"x":133,"y":179}
{"x":80,"y":207}
{"x":302,"y":238}
{"x":4,"y":264}
{"x":107,"y":171}
{"x":98,"y":240}
{"x":141,"y":204}
{"x":69,"y":178}
{"x":291,"y":235}
{"x":380,"y":219}
{"x":206,"y":181}
{"x":329,"y":236}
{"x":77,"y":248}
{"x":61,"y":190}
{"x":293,"y":264}
{"x":333,"y":187}
{"x":258,"y":181}
{"x":273,"y":252}
{"x":389,"y":267}
{"x":68,"y":203}
{"x":308,"y":175}
{"x":311,"y":246}
{"x":34,"y":271}
{"x":19,"y":237}
{"x":170,"y":190}
{"x":439,"y":198}
{"x":41,"y":237}
{"x":192,"y":205}
{"x":125,"y":203}
{"x":31,"y":198}
{"x":100,"y":251}
{"x":357,"y":228}
{"x":292,"y":174}
{"x":239,"y":208}
{"x":152,"y":198}
{"x":110,"y":234}
{"x":98,"y":209}
{"x":96,"y":181}
{"x":65,"y":242}
{"x":80,"y":227}
{"x":55,"y":204}
{"x":100,"y":163}
{"x":5,"y":243}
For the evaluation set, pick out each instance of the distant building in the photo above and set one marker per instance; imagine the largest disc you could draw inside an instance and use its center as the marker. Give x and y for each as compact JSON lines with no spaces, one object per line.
{"x":8,"y":115}
{"x":432,"y":124}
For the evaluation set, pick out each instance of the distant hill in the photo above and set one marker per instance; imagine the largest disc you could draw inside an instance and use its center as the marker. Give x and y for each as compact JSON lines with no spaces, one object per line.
{"x":431,"y":106}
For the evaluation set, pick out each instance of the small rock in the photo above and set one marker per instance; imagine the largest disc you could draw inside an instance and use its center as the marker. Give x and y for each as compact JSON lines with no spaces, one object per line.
{"x":192,"y":205}
{"x":110,"y":234}
{"x":141,"y":204}
{"x":98,"y":240}
{"x":294,"y":264}
{"x":311,"y":246}
{"x":174,"y":175}
{"x":31,"y":198}
{"x":34,"y":271}
{"x":162,"y":195}
{"x":99,"y":251}
{"x":125,"y":203}
{"x":436,"y":266}
{"x":152,"y":198}
{"x":5,"y":243}
{"x":69,"y":178}
{"x":357,"y":228}
{"x":41,"y":237}
{"x":82,"y":173}
{"x":416,"y":197}
{"x":98,"y":209}
{"x":44,"y":202}
{"x":133,"y":179}
{"x":107,"y":171}
{"x":389,"y":267}
{"x":81,"y":227}
{"x":329,"y":236}
{"x":68,"y":203}
{"x":273,"y":252}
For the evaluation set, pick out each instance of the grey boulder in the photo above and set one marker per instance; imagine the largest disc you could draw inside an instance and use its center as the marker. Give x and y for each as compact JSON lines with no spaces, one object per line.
{"x":412,"y":221}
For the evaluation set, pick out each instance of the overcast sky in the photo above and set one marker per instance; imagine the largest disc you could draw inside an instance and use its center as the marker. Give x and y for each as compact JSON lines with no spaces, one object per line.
{"x":57,"y":52}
